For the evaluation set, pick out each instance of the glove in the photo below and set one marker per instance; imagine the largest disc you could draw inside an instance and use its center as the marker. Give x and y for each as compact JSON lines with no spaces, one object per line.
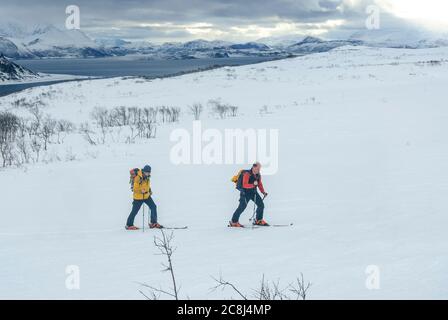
{"x":265,"y":194}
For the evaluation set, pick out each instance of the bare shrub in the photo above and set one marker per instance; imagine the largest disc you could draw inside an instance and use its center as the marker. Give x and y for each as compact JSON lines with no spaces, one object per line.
{"x":270,"y":290}
{"x":165,"y":247}
{"x":222,"y":284}
{"x":265,"y":291}
{"x":24,"y":151}
{"x":218,"y":108}
{"x":103,"y":121}
{"x":100,"y":116}
{"x":141,"y":122}
{"x":150,"y":115}
{"x":37,"y":114}
{"x":264,"y":110}
{"x":233,"y":110}
{"x":169,"y":114}
{"x":36,"y":146}
{"x":63,"y":128}
{"x":19,"y":102}
{"x":85,"y":130}
{"x":222,"y":110}
{"x":163,"y":111}
{"x":300,"y":287}
{"x":70,"y":155}
{"x":196,"y":110}
{"x":48,"y":130}
{"x":146,"y":126}
{"x":9,"y":125}
{"x":122,"y":116}
{"x":175,"y":113}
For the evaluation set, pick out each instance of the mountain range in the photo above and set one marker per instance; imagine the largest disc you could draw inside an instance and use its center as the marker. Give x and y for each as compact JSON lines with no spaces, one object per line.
{"x":48,"y":41}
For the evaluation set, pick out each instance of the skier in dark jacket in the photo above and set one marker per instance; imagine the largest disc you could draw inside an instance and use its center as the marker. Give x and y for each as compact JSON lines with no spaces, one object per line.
{"x":142,"y":195}
{"x":251,"y":180}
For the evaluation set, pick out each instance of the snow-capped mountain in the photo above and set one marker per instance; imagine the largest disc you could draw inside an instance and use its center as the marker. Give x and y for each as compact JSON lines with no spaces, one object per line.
{"x":48,"y":36}
{"x":200,"y":48}
{"x":10,"y":49}
{"x":45,"y":41}
{"x":205,"y":45}
{"x":250,"y":45}
{"x":13,"y":30}
{"x":111,"y":42}
{"x":400,"y":38}
{"x":12,"y":71}
{"x":281,"y":42}
{"x":312,"y":44}
{"x":48,"y":41}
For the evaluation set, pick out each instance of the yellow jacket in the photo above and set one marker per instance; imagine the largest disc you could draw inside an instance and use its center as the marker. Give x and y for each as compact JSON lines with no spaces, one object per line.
{"x":142,"y":187}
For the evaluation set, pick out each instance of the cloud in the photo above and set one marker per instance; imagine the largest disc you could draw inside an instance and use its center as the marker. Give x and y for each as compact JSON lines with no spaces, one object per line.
{"x":181,"y":20}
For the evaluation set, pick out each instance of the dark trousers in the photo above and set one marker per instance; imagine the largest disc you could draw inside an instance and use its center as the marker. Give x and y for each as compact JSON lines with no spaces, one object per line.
{"x":245,"y":197}
{"x":136,"y":205}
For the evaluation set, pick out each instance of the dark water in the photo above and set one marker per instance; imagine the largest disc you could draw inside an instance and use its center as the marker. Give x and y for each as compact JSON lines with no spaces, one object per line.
{"x":117,"y":67}
{"x":11,"y":88}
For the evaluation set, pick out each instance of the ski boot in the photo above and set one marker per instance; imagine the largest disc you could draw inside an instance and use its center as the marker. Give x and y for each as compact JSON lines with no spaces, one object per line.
{"x":131,"y":228}
{"x":261,"y":223}
{"x":155,"y":226}
{"x":235,"y":224}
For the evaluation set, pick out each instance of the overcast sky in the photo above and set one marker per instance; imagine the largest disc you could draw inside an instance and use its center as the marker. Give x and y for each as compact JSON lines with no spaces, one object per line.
{"x":233,"y":20}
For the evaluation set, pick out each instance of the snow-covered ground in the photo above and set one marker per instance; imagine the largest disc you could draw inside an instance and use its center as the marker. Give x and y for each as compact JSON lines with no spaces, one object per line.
{"x":362,"y":175}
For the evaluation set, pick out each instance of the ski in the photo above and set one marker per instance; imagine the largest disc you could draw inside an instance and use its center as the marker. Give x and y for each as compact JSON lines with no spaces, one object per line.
{"x":254,"y":226}
{"x":176,"y":228}
{"x":166,"y":228}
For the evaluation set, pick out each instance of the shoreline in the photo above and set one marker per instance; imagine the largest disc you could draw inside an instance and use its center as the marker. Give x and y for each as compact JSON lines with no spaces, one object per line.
{"x":11,"y":88}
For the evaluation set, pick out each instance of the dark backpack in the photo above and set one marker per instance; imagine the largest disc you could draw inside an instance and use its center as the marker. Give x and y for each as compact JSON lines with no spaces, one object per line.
{"x":238,"y":179}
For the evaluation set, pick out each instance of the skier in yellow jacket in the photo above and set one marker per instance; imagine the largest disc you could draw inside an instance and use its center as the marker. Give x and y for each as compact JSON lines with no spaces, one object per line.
{"x":142,"y":195}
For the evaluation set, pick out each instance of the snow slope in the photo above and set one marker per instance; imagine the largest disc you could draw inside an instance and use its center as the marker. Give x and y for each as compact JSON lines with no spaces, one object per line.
{"x":362,"y":175}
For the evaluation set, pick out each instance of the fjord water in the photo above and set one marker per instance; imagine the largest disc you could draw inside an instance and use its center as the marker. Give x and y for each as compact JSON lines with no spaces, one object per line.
{"x":119,"y":67}
{"x":122,"y":66}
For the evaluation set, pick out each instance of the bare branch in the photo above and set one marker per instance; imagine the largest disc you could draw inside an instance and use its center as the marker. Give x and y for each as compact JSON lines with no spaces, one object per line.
{"x":159,"y":290}
{"x":164,"y":245}
{"x":300,"y":288}
{"x":221,"y":283}
{"x":153,"y":295}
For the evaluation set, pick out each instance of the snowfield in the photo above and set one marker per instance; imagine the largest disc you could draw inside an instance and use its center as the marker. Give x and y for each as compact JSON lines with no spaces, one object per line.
{"x":363,"y":164}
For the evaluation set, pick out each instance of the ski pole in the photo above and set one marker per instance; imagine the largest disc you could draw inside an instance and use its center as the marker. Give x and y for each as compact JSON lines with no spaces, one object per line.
{"x":143,"y":217}
{"x":255,"y":198}
{"x":255,"y":206}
